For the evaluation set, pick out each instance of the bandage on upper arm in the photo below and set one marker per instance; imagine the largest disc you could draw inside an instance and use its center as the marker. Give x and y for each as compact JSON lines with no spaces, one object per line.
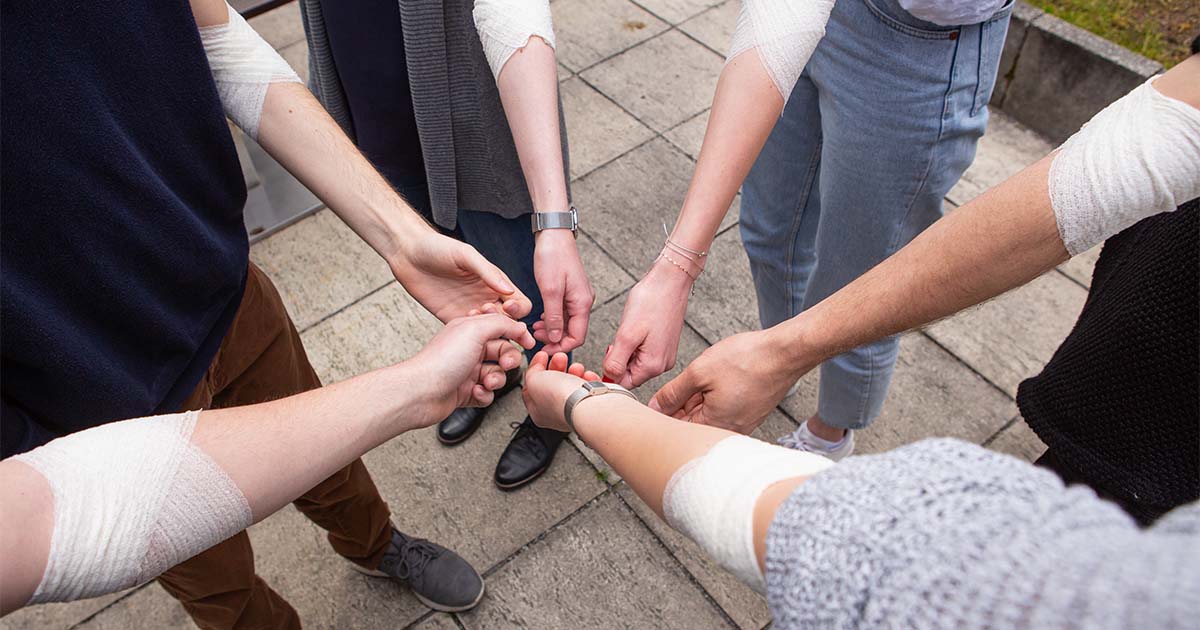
{"x":712,"y":498}
{"x":505,"y":26}
{"x":784,"y":33}
{"x":243,"y":66}
{"x":1138,"y":157}
{"x":131,"y":500}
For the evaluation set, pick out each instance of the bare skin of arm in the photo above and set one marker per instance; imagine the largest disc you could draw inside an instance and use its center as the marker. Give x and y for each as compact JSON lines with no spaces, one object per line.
{"x":643,"y":446}
{"x":744,"y":111}
{"x":528,"y":86}
{"x":447,"y":277}
{"x":1001,"y":240}
{"x":277,"y":450}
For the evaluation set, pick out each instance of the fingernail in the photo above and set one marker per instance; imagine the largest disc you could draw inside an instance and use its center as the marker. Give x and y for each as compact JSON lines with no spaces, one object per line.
{"x":555,"y":336}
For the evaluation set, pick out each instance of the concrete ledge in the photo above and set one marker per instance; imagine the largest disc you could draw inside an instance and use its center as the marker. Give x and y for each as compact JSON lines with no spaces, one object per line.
{"x":1055,"y":76}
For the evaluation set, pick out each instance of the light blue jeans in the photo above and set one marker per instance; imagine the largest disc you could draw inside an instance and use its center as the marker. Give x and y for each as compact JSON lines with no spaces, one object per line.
{"x":881,"y":125}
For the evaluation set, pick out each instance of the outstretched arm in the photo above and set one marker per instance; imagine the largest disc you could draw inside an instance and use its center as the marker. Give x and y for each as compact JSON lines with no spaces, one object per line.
{"x":772,"y":43}
{"x":1138,"y":157}
{"x":111,"y":507}
{"x":518,"y":40}
{"x":265,"y":98}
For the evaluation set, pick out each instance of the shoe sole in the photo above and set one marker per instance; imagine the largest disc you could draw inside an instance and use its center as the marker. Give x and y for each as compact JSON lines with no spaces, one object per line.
{"x":431,"y":604}
{"x":517,"y":484}
{"x":459,"y":440}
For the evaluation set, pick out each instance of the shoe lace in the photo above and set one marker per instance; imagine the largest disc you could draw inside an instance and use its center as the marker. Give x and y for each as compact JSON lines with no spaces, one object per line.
{"x":414,"y":555}
{"x":520,"y":428}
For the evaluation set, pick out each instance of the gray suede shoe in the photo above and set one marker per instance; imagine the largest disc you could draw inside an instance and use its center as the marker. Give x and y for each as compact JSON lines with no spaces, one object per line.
{"x":440,"y":578}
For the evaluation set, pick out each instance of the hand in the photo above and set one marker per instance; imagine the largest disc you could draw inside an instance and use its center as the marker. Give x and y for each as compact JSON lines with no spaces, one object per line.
{"x":733,"y":384}
{"x":567,"y":294}
{"x":648,"y":336}
{"x":548,"y":383}
{"x":464,"y":363}
{"x":450,"y":279}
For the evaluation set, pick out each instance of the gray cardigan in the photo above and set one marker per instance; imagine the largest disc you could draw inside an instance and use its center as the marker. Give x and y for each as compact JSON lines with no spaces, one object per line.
{"x":945,"y":534}
{"x":470,"y":160}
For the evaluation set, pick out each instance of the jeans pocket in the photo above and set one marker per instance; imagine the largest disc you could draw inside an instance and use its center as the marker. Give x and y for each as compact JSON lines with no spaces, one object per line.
{"x":894,"y":20}
{"x":992,"y":35}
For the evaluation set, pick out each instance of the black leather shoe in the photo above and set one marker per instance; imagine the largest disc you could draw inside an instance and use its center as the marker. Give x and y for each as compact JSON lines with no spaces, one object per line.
{"x":527,"y":455}
{"x":462,"y":422}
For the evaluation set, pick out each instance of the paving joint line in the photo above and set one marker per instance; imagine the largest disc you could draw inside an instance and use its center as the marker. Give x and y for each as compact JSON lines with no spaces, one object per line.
{"x":492,"y":570}
{"x":89,"y":618}
{"x":1007,"y":425}
{"x":671,"y":553}
{"x":344,"y":307}
{"x":964,"y":363}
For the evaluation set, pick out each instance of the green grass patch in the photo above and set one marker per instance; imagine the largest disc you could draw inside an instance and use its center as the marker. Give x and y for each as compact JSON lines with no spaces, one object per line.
{"x":1159,"y":29}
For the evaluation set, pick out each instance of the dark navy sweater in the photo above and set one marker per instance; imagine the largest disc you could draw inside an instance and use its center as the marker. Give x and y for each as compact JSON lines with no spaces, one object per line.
{"x":123,"y":251}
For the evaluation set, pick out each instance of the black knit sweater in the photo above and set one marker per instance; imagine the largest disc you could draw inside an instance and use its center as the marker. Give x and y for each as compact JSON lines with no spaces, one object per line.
{"x":1120,"y":400}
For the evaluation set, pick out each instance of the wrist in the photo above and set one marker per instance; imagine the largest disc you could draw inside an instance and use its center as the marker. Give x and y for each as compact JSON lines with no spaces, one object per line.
{"x":665,"y":273}
{"x":595,"y":414}
{"x":795,"y":346}
{"x":404,"y":232}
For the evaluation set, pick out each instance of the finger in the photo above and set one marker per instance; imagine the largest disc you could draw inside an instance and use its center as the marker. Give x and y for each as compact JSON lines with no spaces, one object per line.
{"x":490,"y":307}
{"x":617,"y":360}
{"x":576,"y":369}
{"x":481,"y":397}
{"x":493,"y":326}
{"x":538,"y":362}
{"x":491,"y":376}
{"x":552,"y":313}
{"x":503,"y":352}
{"x":672,"y":396}
{"x":578,"y":310}
{"x":591,"y":376}
{"x":558,"y":362}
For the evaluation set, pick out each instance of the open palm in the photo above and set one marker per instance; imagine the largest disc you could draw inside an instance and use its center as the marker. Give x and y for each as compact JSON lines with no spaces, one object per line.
{"x":451,"y":279}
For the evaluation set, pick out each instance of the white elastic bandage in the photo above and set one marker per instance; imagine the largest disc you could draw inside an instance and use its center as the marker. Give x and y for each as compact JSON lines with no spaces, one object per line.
{"x":711,"y":499}
{"x":131,"y":500}
{"x":505,"y":27}
{"x":244,"y":66}
{"x":785,"y":32}
{"x":1138,"y":157}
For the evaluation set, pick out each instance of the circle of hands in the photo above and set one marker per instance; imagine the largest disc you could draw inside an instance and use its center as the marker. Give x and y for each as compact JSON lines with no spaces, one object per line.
{"x":465,"y":363}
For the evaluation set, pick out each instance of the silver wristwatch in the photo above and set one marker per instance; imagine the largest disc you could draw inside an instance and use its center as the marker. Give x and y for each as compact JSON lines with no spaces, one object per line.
{"x":568,"y":220}
{"x":587,"y":390}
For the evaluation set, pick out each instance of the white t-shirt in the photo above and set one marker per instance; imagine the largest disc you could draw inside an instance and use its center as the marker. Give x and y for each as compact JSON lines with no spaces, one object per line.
{"x":952,"y":12}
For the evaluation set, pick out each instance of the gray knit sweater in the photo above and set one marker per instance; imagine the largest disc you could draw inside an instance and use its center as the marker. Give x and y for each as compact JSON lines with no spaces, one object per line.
{"x":945,"y":534}
{"x":470,"y":158}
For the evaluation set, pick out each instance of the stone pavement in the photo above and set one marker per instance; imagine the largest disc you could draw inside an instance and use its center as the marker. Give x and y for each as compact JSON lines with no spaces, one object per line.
{"x":577,"y":548}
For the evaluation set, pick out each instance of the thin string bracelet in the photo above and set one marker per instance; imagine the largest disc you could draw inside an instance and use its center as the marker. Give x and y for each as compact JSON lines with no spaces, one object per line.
{"x":678,"y":246}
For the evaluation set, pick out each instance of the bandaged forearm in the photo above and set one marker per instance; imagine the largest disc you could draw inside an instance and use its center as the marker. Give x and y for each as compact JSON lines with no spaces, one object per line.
{"x":505,"y":27}
{"x":1138,"y":157}
{"x":784,"y":33}
{"x":243,"y":66}
{"x":131,"y":500}
{"x":711,"y":499}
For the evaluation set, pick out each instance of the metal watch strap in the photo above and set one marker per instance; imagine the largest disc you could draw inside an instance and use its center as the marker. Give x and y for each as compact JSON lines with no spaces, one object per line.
{"x":587,"y":390}
{"x":568,"y":220}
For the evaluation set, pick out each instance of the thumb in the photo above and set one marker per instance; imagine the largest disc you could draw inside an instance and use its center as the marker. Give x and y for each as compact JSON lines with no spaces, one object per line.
{"x":672,"y":396}
{"x":474,"y":262}
{"x":617,"y":358}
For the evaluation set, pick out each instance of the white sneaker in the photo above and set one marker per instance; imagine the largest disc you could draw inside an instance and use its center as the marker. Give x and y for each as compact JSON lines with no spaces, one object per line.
{"x":803,"y":440}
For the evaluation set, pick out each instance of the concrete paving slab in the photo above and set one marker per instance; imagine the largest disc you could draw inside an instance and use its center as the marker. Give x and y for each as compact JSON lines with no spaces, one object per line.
{"x":628,"y":200}
{"x":608,"y":279}
{"x":446,"y":494}
{"x":688,"y":136}
{"x":599,"y":131}
{"x":319,"y":266}
{"x":724,"y":303}
{"x":149,"y":607}
{"x":1019,"y":441}
{"x":932,"y":394}
{"x":1012,"y":337}
{"x":663,"y":81}
{"x":676,"y":11}
{"x":600,"y":569}
{"x":59,"y":616}
{"x":747,"y":608}
{"x":1080,"y":267}
{"x":1006,"y":148}
{"x":714,"y":27}
{"x":439,"y":621}
{"x":589,"y":31}
{"x":564,"y":73}
{"x":280,"y":27}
